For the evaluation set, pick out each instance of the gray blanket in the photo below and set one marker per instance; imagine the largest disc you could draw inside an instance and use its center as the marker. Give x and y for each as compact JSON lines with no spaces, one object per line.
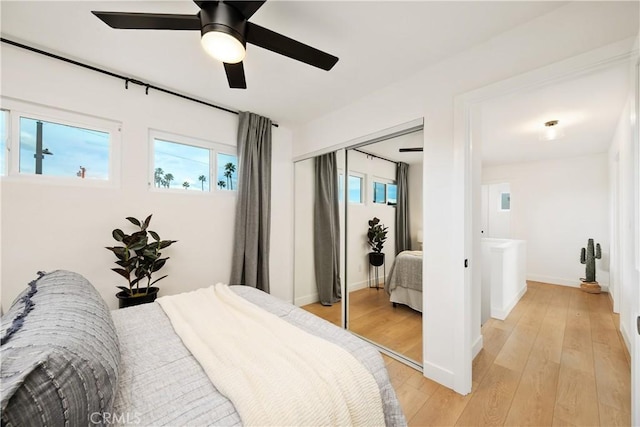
{"x":162,"y":384}
{"x":406,"y":271}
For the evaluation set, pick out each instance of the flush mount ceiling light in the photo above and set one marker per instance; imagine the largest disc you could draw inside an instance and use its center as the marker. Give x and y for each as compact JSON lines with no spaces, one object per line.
{"x":551,"y":131}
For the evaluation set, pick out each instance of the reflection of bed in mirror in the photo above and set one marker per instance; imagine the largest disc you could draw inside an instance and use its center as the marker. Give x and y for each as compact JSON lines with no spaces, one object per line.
{"x":404,"y":283}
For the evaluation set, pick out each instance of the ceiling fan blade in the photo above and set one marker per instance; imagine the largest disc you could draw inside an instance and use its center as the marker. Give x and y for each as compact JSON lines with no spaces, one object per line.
{"x":283,"y":45}
{"x":149,"y":21}
{"x":410,"y":150}
{"x":235,"y":75}
{"x":246,"y":8}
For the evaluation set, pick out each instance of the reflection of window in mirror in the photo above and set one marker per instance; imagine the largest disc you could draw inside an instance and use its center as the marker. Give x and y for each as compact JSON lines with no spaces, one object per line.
{"x":379,"y":192}
{"x":355,"y":189}
{"x":505,"y":201}
{"x":392,"y":194}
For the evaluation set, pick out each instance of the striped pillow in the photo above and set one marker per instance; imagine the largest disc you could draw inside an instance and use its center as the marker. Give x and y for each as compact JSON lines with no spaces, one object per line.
{"x":59,"y":354}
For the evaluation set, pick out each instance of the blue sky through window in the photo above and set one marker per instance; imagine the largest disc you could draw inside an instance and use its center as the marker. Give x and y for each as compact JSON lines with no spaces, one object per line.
{"x":72,"y":148}
{"x":227,"y":176}
{"x":392,"y":194}
{"x":379,"y":192}
{"x":355,"y":189}
{"x":175,"y":164}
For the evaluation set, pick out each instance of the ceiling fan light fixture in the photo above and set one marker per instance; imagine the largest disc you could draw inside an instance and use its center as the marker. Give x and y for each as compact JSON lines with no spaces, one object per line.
{"x":551,"y":131}
{"x":223,"y":47}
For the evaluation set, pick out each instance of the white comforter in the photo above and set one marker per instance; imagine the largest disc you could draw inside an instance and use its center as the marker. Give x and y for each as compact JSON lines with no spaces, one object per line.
{"x":273,"y":372}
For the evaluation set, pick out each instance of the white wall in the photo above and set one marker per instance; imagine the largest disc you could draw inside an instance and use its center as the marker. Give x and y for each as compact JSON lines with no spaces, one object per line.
{"x":622,"y":160}
{"x":556,"y":205}
{"x":305,"y":291}
{"x":566,"y":32}
{"x":498,"y":219}
{"x":47,"y":227}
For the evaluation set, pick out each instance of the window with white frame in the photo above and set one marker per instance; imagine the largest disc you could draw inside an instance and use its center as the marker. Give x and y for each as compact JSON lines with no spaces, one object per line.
{"x":227,"y":171}
{"x":379,"y":192}
{"x":189,"y":164}
{"x":392,"y":194}
{"x":355,"y":188}
{"x":56,"y":149}
{"x":63,"y":146}
{"x":505,"y":202}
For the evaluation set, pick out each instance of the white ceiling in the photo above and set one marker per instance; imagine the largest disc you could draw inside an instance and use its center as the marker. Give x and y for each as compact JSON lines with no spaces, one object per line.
{"x":378,"y":43}
{"x":588,"y":108}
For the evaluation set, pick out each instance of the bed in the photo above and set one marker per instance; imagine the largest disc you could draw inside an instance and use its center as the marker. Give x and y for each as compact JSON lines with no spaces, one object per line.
{"x":404,"y":282}
{"x":130,"y":366}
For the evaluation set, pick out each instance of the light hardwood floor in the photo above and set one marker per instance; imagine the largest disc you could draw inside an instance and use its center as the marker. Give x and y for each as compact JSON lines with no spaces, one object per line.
{"x":373,"y":316}
{"x":558,"y":359}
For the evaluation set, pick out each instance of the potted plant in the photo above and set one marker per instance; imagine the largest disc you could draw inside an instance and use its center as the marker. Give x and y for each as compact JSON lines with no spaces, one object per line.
{"x":376,"y":236}
{"x":138,"y":259}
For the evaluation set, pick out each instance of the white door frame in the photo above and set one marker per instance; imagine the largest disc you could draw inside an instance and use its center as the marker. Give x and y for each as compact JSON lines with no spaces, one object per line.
{"x":467,"y":189}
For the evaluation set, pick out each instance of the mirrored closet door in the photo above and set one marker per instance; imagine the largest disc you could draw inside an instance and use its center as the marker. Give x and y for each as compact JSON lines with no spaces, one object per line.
{"x":376,"y":296}
{"x":383,"y":235}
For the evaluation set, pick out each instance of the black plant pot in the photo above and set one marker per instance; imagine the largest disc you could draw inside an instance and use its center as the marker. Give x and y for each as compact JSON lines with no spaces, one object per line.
{"x":142,"y":297}
{"x":376,"y":258}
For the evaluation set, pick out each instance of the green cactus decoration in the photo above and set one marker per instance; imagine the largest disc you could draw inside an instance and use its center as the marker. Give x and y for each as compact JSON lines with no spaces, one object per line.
{"x":588,"y":257}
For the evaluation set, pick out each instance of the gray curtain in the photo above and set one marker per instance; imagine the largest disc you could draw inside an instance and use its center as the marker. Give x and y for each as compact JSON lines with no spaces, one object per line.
{"x":403,"y":238}
{"x":326,"y":229}
{"x":250,"y":262}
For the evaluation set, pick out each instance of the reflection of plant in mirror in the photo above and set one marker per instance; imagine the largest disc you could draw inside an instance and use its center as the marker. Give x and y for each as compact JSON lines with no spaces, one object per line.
{"x":376,"y":235}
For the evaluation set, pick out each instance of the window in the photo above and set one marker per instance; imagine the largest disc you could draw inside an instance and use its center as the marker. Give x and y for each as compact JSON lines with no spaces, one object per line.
{"x":392,"y":194}
{"x":4,"y":135}
{"x":505,"y":201}
{"x":379,"y":192}
{"x":227,"y":172}
{"x":187,"y":164}
{"x":180,"y":166}
{"x":55,"y":149}
{"x":355,"y":189}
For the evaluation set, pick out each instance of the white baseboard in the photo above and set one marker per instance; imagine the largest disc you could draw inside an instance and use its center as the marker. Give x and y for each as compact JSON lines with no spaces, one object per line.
{"x":307,"y":299}
{"x":438,"y":374}
{"x":574,"y":283}
{"x":358,"y":285}
{"x":477,"y":346}
{"x":501,"y":313}
{"x":625,"y":336}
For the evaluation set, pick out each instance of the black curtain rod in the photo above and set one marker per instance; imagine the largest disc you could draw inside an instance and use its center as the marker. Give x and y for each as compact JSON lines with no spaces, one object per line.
{"x":373,"y":155}
{"x":126,"y":79}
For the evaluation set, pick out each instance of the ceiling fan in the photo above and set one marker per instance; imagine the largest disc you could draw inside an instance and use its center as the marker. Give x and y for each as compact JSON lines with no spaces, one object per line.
{"x":225,"y":32}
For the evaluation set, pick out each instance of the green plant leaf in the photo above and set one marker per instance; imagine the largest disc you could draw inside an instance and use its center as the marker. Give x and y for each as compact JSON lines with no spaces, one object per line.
{"x":159,"y":264}
{"x":121,"y":271}
{"x":118,"y":234}
{"x":157,"y":280}
{"x":155,"y":235}
{"x":119,"y":251}
{"x":166,"y":243}
{"x":146,"y":222}
{"x":133,"y":221}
